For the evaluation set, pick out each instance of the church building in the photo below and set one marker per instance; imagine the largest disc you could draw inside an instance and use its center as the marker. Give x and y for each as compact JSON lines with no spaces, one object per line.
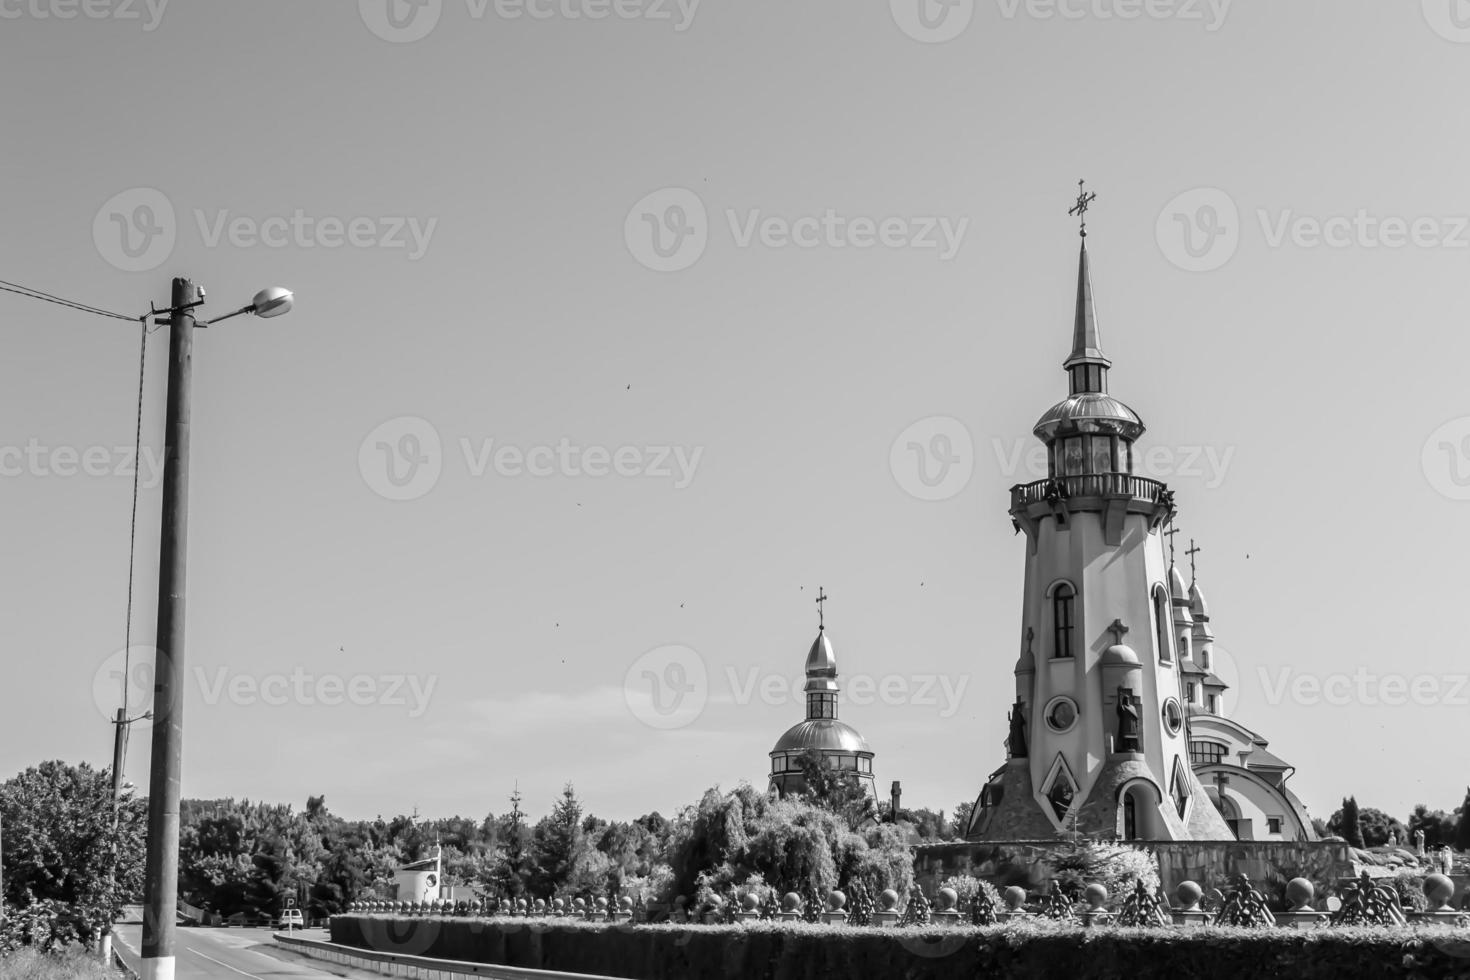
{"x":839,"y":744}
{"x":1246,"y":782}
{"x":1114,"y":691}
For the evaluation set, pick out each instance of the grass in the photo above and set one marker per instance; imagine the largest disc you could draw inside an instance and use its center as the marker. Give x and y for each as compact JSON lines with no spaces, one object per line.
{"x":28,"y":964}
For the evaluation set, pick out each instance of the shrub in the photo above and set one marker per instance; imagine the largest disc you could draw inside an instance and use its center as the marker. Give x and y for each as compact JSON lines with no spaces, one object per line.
{"x":32,"y":964}
{"x":1117,"y":867}
{"x":968,"y":886}
{"x":1032,"y":950}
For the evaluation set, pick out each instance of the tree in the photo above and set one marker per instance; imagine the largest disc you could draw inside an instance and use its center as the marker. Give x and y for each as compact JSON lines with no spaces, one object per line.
{"x":558,"y":842}
{"x":840,"y":792}
{"x":1378,"y":827}
{"x":1345,"y":823}
{"x":66,"y":857}
{"x":961,"y":818}
{"x":1462,"y":830}
{"x":1438,"y":826}
{"x":508,"y":874}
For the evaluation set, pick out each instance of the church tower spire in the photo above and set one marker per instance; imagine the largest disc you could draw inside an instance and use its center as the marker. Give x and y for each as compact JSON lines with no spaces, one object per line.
{"x":1087,"y":365}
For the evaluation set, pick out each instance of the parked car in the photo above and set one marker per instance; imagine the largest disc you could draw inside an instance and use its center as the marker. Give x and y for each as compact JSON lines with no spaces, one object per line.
{"x":291,"y":919}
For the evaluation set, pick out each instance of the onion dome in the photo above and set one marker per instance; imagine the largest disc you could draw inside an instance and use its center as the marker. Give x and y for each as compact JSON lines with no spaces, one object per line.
{"x":821,"y":665}
{"x":1177,"y":591}
{"x":1197,"y":602}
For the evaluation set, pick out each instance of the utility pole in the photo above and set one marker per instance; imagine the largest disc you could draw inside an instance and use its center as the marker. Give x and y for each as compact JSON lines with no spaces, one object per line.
{"x":162,"y":869}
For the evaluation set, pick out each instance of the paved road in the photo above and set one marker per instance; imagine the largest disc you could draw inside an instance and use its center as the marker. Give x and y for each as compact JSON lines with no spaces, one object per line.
{"x":229,"y":954}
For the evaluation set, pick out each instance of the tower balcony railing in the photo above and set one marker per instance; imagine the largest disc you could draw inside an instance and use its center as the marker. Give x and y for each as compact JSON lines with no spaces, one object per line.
{"x":1127,"y":485}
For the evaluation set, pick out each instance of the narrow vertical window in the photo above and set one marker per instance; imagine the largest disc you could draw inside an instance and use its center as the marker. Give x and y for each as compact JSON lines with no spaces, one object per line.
{"x":1062,"y":603}
{"x":1162,"y":632}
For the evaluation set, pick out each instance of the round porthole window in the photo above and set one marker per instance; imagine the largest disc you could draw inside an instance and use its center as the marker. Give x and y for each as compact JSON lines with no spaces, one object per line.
{"x":1061,"y":714}
{"x":1173,"y":716}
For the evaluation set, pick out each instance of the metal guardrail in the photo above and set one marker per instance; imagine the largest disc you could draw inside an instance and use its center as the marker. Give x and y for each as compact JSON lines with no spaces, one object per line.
{"x":413,"y":966}
{"x":1089,"y":485}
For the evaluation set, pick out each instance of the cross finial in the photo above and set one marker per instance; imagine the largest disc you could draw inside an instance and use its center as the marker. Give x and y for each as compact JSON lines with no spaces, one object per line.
{"x":1084,"y":200}
{"x":1193,"y":550}
{"x":1170,"y":535}
{"x":821,"y":612}
{"x":1119,"y":630}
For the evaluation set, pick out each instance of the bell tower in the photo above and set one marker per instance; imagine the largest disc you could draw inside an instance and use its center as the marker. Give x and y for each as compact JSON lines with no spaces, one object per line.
{"x":1099,"y":744}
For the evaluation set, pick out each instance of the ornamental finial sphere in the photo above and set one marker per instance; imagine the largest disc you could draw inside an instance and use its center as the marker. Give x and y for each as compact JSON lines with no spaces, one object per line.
{"x":947,"y":899}
{"x":1015,"y":897}
{"x":1439,"y":889}
{"x":790,"y":902}
{"x":1095,"y":894}
{"x":888,"y":900}
{"x":1299,"y":893}
{"x":1188,"y":895}
{"x":835,"y":901}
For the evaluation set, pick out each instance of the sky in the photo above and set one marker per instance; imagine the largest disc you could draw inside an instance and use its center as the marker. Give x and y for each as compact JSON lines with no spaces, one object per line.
{"x":622,"y":326}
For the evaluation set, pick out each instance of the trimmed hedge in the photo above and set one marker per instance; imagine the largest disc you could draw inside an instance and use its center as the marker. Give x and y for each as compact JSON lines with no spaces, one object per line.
{"x":1033,"y":950}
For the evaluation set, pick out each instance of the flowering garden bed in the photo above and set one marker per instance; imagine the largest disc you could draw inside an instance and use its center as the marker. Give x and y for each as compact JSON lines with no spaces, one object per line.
{"x":1032,"y":949}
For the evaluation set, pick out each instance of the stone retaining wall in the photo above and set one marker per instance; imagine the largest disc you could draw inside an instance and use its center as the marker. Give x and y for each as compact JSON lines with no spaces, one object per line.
{"x":1212,"y":864}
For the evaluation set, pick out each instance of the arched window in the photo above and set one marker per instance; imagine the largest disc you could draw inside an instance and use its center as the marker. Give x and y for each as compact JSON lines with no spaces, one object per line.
{"x":1063,"y":601}
{"x":1162,"y":633}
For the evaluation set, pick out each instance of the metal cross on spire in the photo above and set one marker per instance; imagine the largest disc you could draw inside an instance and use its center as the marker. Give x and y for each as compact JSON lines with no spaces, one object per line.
{"x":821,"y":613}
{"x":1084,"y":201}
{"x":1170,"y":535}
{"x":1193,"y":550}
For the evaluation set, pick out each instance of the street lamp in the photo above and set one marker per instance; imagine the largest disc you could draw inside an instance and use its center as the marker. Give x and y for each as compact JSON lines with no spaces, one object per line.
{"x":162,"y":868}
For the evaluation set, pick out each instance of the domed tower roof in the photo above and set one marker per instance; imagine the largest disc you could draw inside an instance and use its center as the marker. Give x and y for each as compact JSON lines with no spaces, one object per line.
{"x":823,"y":734}
{"x":1197,"y":602}
{"x":1120,"y":655}
{"x":1177,"y":591}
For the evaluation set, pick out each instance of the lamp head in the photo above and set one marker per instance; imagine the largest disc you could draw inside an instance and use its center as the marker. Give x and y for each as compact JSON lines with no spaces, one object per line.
{"x":272,"y":302}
